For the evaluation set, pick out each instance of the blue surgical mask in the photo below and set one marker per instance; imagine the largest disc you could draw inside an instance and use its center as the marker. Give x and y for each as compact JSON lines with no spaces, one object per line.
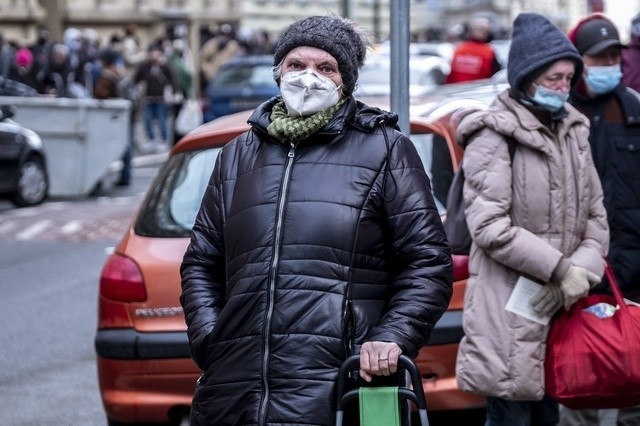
{"x":602,"y":80}
{"x":552,"y":100}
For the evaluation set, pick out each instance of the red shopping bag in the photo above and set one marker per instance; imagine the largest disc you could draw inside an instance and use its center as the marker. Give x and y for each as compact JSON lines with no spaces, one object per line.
{"x":594,"y":362}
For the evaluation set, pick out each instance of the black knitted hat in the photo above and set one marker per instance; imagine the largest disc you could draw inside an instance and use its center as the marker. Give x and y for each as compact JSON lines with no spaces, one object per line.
{"x":337,"y":36}
{"x":536,"y":44}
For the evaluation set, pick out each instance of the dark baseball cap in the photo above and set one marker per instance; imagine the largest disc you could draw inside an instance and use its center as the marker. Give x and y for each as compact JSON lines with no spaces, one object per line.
{"x":595,"y":35}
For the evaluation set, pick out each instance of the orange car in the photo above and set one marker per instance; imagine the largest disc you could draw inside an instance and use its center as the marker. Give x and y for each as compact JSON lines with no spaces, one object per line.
{"x":144,"y":369}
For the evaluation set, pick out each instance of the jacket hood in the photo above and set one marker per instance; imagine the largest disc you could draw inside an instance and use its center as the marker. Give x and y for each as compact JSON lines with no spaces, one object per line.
{"x":536,"y":44}
{"x":508,"y":117}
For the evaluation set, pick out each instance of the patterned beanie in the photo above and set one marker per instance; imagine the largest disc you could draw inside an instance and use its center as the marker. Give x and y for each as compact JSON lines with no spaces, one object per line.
{"x":537,"y":43}
{"x":335,"y":35}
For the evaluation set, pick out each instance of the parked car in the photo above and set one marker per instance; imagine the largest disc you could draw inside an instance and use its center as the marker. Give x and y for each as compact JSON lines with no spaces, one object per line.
{"x":425,"y":74}
{"x":23,"y":165}
{"x":442,"y":49}
{"x":501,"y":47}
{"x":240,"y":84}
{"x":144,"y":369}
{"x":10,"y":87}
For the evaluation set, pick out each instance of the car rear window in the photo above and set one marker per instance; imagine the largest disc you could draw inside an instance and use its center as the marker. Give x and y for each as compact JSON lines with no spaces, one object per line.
{"x":173,"y":201}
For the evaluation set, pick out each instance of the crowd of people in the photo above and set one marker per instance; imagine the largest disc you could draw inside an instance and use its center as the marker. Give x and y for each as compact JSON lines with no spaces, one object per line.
{"x":157,"y":78}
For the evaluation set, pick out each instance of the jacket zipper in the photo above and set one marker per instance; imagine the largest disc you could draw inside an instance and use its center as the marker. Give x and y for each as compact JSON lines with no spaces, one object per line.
{"x":272,"y":285}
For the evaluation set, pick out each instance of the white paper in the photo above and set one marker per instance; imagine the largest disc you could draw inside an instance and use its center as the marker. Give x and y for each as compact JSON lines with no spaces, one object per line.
{"x":520,"y":300}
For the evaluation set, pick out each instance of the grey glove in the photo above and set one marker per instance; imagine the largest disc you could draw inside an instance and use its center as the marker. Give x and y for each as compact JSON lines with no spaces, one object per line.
{"x":548,"y":299}
{"x":576,"y":284}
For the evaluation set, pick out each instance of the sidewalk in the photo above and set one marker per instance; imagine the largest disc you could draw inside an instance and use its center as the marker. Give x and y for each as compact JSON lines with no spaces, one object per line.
{"x":148,"y":160}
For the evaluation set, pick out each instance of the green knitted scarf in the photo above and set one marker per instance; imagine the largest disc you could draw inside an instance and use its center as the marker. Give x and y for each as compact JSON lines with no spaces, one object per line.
{"x":289,"y":129}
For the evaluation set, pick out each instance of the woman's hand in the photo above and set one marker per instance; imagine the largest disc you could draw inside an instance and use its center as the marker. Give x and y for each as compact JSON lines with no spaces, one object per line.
{"x":576,"y":284}
{"x":378,"y":359}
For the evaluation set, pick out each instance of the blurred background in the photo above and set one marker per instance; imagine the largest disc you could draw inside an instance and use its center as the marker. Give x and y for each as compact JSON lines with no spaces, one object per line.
{"x":253,"y":22}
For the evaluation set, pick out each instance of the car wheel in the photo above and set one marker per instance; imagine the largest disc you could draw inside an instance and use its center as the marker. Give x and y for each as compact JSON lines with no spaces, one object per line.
{"x":33,"y":183}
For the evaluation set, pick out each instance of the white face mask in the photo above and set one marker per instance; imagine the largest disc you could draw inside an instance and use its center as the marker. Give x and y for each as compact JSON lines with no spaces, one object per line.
{"x":306,"y":92}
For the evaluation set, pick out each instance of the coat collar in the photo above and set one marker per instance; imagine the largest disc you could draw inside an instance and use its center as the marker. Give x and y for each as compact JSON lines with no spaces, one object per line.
{"x":511,"y":119}
{"x":353,"y":113}
{"x":629,"y":101}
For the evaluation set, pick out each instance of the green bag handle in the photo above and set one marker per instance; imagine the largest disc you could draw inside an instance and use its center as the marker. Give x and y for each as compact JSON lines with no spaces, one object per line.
{"x":379,"y":406}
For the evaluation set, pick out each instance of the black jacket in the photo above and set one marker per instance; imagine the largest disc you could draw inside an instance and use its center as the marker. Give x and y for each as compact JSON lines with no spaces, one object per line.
{"x":298,"y":255}
{"x":615,"y":143}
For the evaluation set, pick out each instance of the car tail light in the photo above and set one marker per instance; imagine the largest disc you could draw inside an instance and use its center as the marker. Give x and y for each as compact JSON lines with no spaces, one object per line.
{"x":121,"y":280}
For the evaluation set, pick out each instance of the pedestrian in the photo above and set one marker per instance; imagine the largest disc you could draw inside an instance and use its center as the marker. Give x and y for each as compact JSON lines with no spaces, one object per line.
{"x":59,"y":72}
{"x":182,"y":67}
{"x":159,"y":87}
{"x":132,"y":53}
{"x":110,"y":84}
{"x":631,"y":57}
{"x":614,"y":113}
{"x":215,"y":52}
{"x":474,"y":58}
{"x":7,"y":55}
{"x":23,"y":69}
{"x":535,"y":213}
{"x":318,"y":238}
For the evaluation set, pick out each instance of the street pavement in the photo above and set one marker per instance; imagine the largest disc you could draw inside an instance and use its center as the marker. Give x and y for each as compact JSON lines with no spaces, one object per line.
{"x":103,"y":215}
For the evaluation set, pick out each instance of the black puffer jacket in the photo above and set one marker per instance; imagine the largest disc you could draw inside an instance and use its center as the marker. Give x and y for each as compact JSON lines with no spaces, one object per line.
{"x":615,"y":143}
{"x":297,"y":258}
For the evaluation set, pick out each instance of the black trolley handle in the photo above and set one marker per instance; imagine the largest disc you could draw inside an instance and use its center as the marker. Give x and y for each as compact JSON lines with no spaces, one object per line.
{"x":405,"y":363}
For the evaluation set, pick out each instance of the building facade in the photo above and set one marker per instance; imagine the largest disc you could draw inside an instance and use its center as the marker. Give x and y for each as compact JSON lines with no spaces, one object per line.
{"x":196,"y":20}
{"x":20,"y":18}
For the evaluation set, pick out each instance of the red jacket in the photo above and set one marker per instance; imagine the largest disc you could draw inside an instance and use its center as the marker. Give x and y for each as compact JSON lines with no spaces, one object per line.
{"x":472,"y":60}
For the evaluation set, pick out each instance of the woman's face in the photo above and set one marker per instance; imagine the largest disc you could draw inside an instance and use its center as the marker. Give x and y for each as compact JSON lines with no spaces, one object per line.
{"x":306,"y":57}
{"x":557,"y":77}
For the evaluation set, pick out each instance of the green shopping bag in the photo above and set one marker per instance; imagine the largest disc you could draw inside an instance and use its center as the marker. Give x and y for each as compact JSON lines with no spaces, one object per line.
{"x":379,"y":406}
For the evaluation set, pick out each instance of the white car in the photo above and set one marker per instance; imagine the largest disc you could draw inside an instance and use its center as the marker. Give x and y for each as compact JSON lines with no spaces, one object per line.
{"x":425,"y":74}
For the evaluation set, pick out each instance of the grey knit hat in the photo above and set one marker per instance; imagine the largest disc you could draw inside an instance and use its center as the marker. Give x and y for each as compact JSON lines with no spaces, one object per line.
{"x":537,"y":43}
{"x":337,"y":36}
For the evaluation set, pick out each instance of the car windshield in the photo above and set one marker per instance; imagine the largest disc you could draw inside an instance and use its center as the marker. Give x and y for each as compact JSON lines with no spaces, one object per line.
{"x":244,"y":75}
{"x":173,"y":201}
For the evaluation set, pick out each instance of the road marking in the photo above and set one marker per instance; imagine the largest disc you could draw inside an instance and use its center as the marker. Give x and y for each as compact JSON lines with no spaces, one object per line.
{"x":7,"y":226}
{"x":26,"y":212}
{"x":71,"y":227}
{"x":33,"y":230}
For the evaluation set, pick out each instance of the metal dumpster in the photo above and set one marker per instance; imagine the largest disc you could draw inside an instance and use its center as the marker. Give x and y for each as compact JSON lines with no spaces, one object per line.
{"x":83,"y":139}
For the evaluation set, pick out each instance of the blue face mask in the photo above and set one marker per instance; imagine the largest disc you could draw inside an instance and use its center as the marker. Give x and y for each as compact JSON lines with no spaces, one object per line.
{"x":552,"y":100}
{"x":603,"y":79}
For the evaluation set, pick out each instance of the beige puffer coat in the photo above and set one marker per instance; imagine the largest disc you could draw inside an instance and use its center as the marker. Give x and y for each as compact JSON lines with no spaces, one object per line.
{"x":523,"y":220}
